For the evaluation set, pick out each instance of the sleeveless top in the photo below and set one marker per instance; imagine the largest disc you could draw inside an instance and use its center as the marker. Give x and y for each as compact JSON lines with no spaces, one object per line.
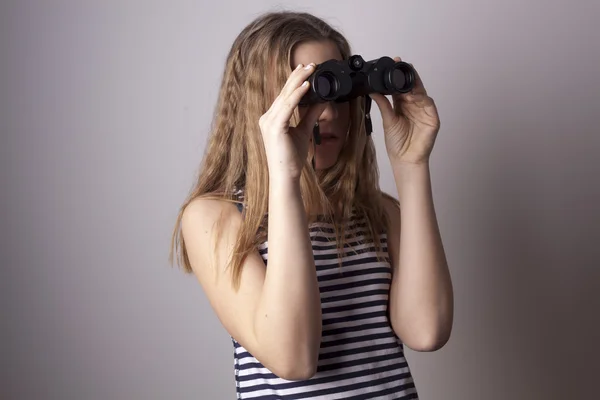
{"x":360,"y":356}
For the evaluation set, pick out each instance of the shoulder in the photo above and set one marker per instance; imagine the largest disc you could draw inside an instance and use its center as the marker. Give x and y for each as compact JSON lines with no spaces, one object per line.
{"x":203,"y":216}
{"x":206,"y":210}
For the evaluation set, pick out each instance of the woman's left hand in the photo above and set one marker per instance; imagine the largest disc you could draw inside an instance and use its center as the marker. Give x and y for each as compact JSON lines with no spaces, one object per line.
{"x":410,"y":125}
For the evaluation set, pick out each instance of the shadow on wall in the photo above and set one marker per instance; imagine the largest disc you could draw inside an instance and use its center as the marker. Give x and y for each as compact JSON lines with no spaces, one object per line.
{"x":538,"y":269}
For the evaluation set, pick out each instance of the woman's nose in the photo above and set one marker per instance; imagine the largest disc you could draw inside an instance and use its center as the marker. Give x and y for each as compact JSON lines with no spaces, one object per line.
{"x":330,"y":112}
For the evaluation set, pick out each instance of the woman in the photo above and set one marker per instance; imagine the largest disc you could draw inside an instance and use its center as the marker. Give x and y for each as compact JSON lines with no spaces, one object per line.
{"x":322,"y":308}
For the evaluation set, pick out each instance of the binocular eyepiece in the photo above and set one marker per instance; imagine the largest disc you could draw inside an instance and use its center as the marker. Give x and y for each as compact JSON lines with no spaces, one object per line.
{"x":341,"y":81}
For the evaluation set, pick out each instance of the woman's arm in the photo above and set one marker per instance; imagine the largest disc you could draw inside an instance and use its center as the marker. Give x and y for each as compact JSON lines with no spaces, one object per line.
{"x":421,"y":294}
{"x":276,"y":313}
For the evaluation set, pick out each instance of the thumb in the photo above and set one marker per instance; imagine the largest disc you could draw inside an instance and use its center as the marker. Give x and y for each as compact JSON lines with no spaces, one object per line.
{"x":385,"y":107}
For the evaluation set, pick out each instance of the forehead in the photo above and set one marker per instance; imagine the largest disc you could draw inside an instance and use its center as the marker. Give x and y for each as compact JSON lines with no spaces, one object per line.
{"x":315,"y":52}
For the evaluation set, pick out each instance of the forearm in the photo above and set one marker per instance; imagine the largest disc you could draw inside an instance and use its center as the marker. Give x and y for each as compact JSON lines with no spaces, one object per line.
{"x":289,"y":312}
{"x":421,"y":289}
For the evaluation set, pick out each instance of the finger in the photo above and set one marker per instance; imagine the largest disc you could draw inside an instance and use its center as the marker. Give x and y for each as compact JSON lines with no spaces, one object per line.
{"x":428,"y":105}
{"x":296,"y":78}
{"x":385,"y":107}
{"x":419,"y":99}
{"x":423,"y":102}
{"x":418,"y":81}
{"x":419,"y":87}
{"x":311,"y":116}
{"x":284,"y":108}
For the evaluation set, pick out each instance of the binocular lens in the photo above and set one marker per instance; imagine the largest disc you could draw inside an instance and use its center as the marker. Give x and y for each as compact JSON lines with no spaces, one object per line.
{"x":398,"y":78}
{"x":344,"y":80}
{"x":401,"y":78}
{"x":326,"y":85}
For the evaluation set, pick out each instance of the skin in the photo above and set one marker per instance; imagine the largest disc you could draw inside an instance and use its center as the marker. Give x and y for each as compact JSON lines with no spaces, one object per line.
{"x":421,"y":294}
{"x":335,"y":118}
{"x":276,"y":313}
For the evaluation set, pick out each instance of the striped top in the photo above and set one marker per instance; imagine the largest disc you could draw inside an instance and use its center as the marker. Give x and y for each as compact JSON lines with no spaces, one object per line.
{"x":360,"y":355}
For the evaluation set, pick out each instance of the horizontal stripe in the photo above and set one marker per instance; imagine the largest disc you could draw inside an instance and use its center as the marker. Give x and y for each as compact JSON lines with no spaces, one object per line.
{"x":372,"y":359}
{"x":349,"y":285}
{"x":347,"y":389}
{"x":358,"y":339}
{"x":286,"y":385}
{"x":267,"y":376}
{"x":405,"y":387}
{"x":327,"y":229}
{"x":357,"y":351}
{"x":246,"y":357}
{"x":256,"y":369}
{"x":354,"y":317}
{"x":349,"y":248}
{"x":350,"y":265}
{"x":361,"y":357}
{"x":353,"y":296}
{"x":355,"y":306}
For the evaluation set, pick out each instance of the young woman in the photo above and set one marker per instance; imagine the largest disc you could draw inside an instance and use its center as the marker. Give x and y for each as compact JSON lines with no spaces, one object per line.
{"x":297,"y":249}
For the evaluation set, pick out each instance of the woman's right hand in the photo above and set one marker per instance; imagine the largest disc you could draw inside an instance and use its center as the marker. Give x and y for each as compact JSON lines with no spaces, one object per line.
{"x":286,"y":146}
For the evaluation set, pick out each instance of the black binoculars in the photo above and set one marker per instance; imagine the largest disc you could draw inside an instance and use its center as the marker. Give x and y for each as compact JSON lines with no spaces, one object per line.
{"x":341,"y":81}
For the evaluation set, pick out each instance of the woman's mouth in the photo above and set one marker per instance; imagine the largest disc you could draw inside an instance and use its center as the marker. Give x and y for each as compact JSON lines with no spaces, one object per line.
{"x":328,"y":139}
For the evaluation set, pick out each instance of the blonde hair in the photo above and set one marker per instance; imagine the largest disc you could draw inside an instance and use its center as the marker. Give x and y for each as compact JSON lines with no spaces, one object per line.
{"x":235,"y":156}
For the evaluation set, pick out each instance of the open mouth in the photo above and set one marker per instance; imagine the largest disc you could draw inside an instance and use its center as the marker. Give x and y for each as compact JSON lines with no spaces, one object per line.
{"x":327,"y":138}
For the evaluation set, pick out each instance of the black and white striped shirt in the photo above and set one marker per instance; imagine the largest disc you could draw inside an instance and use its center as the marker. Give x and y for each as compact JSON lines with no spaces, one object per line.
{"x":360,"y":356}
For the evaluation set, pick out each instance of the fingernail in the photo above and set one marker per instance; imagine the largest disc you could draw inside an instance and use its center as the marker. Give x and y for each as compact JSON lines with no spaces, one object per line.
{"x":309,"y":66}
{"x":299,"y":66}
{"x":305,"y":83}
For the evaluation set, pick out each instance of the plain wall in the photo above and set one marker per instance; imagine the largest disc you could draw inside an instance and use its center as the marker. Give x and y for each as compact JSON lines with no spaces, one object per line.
{"x":106,"y":107}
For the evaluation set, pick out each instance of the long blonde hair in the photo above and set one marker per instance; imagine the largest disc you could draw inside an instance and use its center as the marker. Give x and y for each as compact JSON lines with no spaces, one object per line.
{"x":235,"y":156}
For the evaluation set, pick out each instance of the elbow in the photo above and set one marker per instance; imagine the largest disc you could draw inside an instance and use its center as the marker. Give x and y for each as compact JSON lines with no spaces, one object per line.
{"x":428,"y":346}
{"x":429,"y":343}
{"x":296,"y":371}
{"x":424,"y":336}
{"x":294,"y":356}
{"x":297,"y":364}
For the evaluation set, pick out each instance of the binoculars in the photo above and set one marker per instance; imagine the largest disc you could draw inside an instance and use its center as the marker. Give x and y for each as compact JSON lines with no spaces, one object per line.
{"x":341,"y":81}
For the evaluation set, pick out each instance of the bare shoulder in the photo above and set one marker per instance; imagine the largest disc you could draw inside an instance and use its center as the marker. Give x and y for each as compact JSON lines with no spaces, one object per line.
{"x":204,"y":210}
{"x":202,"y":220}
{"x":210,"y":229}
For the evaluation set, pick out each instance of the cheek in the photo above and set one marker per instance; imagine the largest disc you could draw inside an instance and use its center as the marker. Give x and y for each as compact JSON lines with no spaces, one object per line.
{"x":344,"y":115}
{"x":302,"y":112}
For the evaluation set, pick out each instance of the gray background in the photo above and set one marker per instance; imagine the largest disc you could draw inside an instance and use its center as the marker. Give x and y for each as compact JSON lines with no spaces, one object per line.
{"x":105,"y":111}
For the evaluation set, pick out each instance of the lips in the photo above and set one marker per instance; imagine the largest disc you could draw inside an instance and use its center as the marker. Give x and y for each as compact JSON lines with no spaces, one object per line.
{"x":328,"y":139}
{"x":327,"y":135}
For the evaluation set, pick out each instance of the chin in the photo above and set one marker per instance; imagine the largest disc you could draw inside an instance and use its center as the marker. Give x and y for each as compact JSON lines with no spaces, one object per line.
{"x":324,"y":164}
